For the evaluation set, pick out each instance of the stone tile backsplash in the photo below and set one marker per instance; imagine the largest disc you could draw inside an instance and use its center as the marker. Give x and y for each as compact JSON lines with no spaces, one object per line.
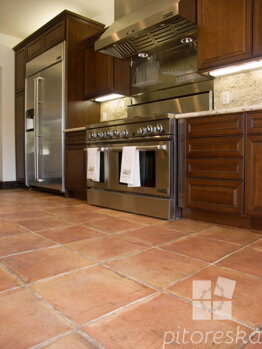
{"x":115,"y":109}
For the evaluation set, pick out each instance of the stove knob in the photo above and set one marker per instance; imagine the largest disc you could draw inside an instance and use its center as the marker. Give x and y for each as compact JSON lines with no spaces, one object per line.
{"x":90,"y":136}
{"x":104,"y":135}
{"x":124,"y":133}
{"x":109,"y":133}
{"x":99,"y":134}
{"x":116,"y":133}
{"x":150,"y":129}
{"x":141,"y":131}
{"x":94,"y":135}
{"x":159,"y":128}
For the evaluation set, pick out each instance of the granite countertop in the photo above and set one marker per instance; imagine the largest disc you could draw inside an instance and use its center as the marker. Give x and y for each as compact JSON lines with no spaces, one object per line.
{"x":219,"y":111}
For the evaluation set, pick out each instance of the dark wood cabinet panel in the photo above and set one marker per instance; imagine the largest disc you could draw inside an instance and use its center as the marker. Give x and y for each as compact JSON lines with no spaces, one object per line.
{"x":20,"y":137}
{"x":216,"y":125}
{"x":35,"y":47}
{"x":254,"y":176}
{"x":254,"y":122}
{"x":54,"y":35}
{"x":225,"y":32}
{"x":75,"y":164}
{"x":104,"y":74}
{"x":216,"y":147}
{"x":216,"y":168}
{"x":20,"y":71}
{"x":257,"y":28}
{"x":98,"y":73}
{"x":221,"y":196}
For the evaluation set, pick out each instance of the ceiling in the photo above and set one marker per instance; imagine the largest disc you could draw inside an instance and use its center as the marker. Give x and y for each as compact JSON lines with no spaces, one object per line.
{"x":21,"y":18}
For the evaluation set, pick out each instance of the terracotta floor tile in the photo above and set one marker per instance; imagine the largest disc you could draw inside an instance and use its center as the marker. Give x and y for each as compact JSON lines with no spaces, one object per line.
{"x":187,"y":225}
{"x":41,"y":264}
{"x":15,"y":217}
{"x":7,"y":280}
{"x":70,"y":234}
{"x":80,"y":217}
{"x":257,"y":244}
{"x":41,"y":224}
{"x":144,"y":325}
{"x":90,"y":293}
{"x":152,"y":235}
{"x":107,"y":247}
{"x":113,"y":225}
{"x":248,"y":260}
{"x":246,"y":305}
{"x":14,"y":209}
{"x":22,"y":242}
{"x":156,"y":267}
{"x":25,"y":320}
{"x":202,"y":248}
{"x":11,"y":229}
{"x":141,"y":219}
{"x":111,"y":213}
{"x":235,"y":235}
{"x":72,"y":341}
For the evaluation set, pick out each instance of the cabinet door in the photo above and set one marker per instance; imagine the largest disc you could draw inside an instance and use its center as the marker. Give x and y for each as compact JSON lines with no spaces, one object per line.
{"x":54,"y":35}
{"x":257,"y":28}
{"x":20,"y":70}
{"x":98,"y":73}
{"x":254,"y":176}
{"x":20,"y":136}
{"x":211,"y":195}
{"x":224,"y":34}
{"x":35,"y":47}
{"x":75,"y":164}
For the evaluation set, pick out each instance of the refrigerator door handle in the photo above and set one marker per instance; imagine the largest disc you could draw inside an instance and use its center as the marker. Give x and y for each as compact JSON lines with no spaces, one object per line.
{"x":36,"y":107}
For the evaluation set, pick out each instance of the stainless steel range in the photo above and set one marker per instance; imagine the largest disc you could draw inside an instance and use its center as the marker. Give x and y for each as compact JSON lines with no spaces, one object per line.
{"x":154,"y":137}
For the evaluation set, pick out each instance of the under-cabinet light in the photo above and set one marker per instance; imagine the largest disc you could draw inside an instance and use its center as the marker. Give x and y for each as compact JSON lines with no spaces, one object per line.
{"x":236,"y":68}
{"x":108,"y":97}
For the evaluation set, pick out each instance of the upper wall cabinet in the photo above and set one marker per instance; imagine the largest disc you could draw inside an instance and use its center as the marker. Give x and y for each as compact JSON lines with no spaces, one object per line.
{"x":104,"y":74}
{"x":225,"y":31}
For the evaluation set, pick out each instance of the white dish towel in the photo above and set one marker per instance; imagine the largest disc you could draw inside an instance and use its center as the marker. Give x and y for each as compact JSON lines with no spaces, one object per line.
{"x":130,"y":167}
{"x":93,"y":164}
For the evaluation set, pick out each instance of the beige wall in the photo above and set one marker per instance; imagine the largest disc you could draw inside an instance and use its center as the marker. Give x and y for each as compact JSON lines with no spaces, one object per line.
{"x":7,"y":113}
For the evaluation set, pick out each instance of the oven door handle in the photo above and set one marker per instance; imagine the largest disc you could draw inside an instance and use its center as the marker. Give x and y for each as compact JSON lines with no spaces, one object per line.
{"x":145,"y":147}
{"x":103,"y":149}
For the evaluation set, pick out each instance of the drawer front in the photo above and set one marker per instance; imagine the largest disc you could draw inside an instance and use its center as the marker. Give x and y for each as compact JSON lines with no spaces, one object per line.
{"x":222,"y":196}
{"x":78,"y":137}
{"x":216,"y":168}
{"x":219,"y":147}
{"x":35,"y":48}
{"x":216,"y":125}
{"x":254,"y":123}
{"x":55,"y":35}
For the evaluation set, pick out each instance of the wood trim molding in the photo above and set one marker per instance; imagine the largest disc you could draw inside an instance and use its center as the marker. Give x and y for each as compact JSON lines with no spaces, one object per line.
{"x":11,"y":185}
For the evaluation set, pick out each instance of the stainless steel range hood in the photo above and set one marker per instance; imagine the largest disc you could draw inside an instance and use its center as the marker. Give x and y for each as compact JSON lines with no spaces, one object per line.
{"x":144,"y":25}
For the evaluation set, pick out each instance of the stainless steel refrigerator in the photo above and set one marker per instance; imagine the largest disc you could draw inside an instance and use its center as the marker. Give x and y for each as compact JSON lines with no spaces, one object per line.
{"x":44,"y":115}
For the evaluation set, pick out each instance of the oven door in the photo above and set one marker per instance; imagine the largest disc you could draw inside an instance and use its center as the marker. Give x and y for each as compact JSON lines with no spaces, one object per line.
{"x":103,"y":181}
{"x":156,"y":168}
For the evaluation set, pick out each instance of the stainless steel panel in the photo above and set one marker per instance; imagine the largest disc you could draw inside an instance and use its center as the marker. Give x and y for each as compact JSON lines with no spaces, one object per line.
{"x":46,"y":59}
{"x":124,"y":7}
{"x":45,"y":104}
{"x":140,"y":204}
{"x":194,"y":89}
{"x":50,"y":125}
{"x":178,"y":105}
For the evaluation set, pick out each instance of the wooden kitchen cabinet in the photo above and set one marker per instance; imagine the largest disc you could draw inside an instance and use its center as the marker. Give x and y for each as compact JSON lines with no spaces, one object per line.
{"x":257,"y":29}
{"x":75,"y":164}
{"x":20,"y":70}
{"x":19,"y":137}
{"x":225,"y":32}
{"x":215,"y":150}
{"x":254,"y":164}
{"x":73,"y":29}
{"x":104,"y":74}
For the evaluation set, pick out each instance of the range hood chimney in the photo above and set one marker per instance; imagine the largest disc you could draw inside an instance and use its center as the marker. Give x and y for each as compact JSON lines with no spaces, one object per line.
{"x":144,"y":25}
